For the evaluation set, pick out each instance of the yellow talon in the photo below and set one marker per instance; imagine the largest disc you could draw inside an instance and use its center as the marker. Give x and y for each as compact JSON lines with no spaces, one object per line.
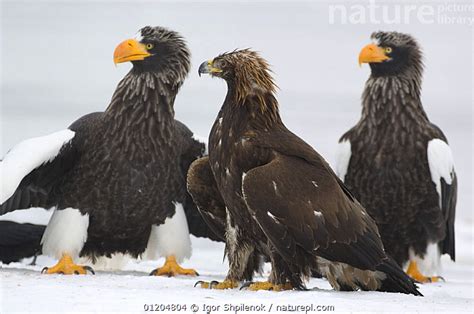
{"x":66,"y":266}
{"x":268,"y":286}
{"x":226,"y":284}
{"x":415,"y":274}
{"x":171,"y":268}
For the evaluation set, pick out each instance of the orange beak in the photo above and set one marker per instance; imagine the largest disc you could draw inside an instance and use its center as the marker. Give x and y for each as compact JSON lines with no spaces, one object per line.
{"x":130,"y":50}
{"x":372,"y":54}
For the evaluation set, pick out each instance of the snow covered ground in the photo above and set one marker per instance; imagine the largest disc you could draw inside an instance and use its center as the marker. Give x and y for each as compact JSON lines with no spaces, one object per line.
{"x":128,"y":290}
{"x":56,"y":65}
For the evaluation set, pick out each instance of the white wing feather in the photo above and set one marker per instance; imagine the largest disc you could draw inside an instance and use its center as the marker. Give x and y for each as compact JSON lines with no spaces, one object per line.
{"x":27,"y":156}
{"x":441,"y":163}
{"x":343,"y":156}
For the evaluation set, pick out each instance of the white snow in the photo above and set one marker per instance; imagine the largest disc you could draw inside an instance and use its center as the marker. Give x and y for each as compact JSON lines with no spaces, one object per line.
{"x":26,"y":156}
{"x":170,"y":238}
{"x":441,"y":162}
{"x":66,"y":232}
{"x":25,"y":289}
{"x":343,"y":157}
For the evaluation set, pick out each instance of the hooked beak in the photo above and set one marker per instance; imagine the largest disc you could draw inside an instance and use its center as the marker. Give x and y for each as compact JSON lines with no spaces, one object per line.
{"x":130,"y":50}
{"x":372,"y":54}
{"x":207,"y":68}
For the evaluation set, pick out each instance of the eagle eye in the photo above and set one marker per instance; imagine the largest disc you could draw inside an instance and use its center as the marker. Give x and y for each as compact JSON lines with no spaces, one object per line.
{"x":220,"y":63}
{"x":149,"y":46}
{"x":388,"y":49}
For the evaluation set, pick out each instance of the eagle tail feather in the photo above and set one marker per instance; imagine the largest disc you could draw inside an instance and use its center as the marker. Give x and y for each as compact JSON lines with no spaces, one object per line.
{"x":396,"y":279}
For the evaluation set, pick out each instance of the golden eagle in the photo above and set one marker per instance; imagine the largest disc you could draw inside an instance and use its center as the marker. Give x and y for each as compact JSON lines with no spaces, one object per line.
{"x":281,"y":200}
{"x":397,"y":163}
{"x":117,"y":179}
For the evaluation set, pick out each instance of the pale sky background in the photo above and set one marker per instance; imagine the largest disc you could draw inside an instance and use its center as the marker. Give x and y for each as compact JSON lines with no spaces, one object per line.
{"x":56,"y":65}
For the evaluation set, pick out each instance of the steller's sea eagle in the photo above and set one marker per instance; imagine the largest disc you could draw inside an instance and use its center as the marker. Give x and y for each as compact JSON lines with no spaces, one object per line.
{"x":282,"y":200}
{"x":117,"y":179}
{"x":397,"y":163}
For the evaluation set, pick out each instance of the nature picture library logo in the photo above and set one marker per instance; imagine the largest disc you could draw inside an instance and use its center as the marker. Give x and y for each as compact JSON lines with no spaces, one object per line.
{"x":402,"y":12}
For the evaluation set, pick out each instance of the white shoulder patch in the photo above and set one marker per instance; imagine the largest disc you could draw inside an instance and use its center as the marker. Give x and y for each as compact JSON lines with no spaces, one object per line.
{"x":343,"y":156}
{"x":27,"y":156}
{"x":441,"y":162}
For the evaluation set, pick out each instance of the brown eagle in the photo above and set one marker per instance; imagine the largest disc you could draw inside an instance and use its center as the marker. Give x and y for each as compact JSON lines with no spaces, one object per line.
{"x":117,"y":179}
{"x":279,"y":198}
{"x":397,"y":163}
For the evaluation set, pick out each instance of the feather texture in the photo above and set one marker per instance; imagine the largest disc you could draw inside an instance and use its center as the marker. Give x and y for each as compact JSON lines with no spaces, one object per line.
{"x":282,"y":201}
{"x":125,"y":168}
{"x":401,"y":168}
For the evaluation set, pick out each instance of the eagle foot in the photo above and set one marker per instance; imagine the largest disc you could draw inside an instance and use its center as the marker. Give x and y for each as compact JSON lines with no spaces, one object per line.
{"x":416,"y":275}
{"x":171,"y":269}
{"x":226,"y":284}
{"x":66,"y":266}
{"x":266,"y":285}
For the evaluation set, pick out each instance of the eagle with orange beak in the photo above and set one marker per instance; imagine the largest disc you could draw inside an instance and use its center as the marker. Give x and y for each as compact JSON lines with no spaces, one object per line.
{"x":397,"y":163}
{"x":116,"y":179}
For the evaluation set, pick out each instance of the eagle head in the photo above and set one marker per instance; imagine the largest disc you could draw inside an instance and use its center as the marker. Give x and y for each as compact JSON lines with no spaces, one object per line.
{"x":393,"y":54}
{"x":156,"y":49}
{"x":244,"y":70}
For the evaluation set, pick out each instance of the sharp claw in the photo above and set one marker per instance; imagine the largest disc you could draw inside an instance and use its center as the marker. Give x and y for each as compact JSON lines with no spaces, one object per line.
{"x":441,"y":278}
{"x":213,"y":283}
{"x":88,"y":268}
{"x":153,"y":272}
{"x":245,"y":285}
{"x":44,"y":270}
{"x":197,"y":274}
{"x":198,"y":283}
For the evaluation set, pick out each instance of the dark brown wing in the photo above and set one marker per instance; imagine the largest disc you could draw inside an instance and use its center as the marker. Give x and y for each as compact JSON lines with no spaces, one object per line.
{"x":287,"y":143}
{"x":203,"y":189}
{"x":192,"y":150}
{"x":315,"y":211}
{"x":298,"y":204}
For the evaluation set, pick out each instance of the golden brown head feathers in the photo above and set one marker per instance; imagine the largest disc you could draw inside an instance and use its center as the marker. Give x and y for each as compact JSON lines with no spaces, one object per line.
{"x":246,"y":70}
